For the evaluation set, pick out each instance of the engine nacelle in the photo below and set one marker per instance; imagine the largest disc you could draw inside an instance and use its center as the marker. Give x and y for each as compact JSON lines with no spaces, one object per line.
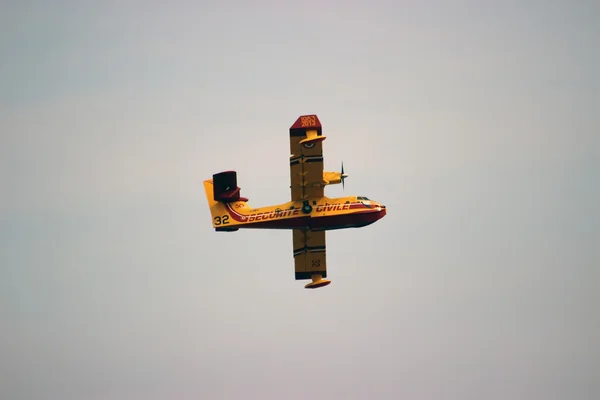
{"x":332,"y":178}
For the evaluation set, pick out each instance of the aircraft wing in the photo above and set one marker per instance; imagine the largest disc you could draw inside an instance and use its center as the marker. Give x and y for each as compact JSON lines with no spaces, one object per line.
{"x":309,"y":253}
{"x":306,"y":160}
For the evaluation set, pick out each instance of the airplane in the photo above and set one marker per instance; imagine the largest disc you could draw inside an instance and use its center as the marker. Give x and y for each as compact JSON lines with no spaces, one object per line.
{"x":309,"y":214}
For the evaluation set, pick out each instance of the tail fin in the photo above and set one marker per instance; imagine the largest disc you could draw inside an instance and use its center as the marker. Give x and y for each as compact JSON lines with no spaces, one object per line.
{"x":217,"y":208}
{"x":221,"y":193}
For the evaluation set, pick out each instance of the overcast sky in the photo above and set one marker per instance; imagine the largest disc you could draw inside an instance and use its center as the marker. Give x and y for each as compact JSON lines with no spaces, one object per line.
{"x":476,"y":123}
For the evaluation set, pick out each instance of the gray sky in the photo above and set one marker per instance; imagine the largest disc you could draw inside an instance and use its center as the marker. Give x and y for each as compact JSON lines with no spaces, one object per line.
{"x":476,"y":123}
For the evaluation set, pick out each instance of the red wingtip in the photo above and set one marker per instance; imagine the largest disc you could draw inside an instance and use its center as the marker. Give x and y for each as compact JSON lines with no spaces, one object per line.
{"x":307,"y":121}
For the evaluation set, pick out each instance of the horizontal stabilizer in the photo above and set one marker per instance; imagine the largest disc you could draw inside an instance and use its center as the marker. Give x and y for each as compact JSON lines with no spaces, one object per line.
{"x":226,"y":188}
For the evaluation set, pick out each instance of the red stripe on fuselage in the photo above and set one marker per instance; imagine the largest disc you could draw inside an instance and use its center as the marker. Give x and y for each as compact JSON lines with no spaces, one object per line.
{"x":351,"y":220}
{"x":235,"y":215}
{"x":263,"y":216}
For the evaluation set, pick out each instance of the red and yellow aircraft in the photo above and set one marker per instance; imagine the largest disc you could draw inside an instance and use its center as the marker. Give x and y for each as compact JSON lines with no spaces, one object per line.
{"x":309,"y":213}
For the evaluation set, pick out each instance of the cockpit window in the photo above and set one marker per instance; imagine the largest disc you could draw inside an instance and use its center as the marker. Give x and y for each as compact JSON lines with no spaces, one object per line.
{"x":362,"y":198}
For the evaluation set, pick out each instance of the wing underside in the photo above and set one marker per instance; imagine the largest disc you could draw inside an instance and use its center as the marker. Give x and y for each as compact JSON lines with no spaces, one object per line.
{"x":309,"y":253}
{"x":306,"y":160}
{"x":306,"y":178}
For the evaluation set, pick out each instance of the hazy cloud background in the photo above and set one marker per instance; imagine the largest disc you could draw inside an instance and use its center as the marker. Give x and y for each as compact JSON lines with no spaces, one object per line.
{"x":476,"y":123}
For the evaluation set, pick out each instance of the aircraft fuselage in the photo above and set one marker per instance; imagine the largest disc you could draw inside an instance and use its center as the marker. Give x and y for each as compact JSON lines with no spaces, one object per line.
{"x":315,"y":214}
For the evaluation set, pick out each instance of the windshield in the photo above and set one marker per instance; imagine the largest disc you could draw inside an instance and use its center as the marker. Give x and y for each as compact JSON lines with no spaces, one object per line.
{"x":363,"y":198}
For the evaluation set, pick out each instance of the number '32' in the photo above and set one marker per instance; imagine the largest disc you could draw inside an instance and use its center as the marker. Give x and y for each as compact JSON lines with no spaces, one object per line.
{"x":221,"y":220}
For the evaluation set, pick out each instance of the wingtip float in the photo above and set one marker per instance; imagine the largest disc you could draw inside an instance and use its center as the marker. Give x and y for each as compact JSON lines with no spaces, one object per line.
{"x":308,"y":215}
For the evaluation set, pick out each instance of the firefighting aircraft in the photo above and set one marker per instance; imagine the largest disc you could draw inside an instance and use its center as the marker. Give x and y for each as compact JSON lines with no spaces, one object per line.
{"x":309,"y":213}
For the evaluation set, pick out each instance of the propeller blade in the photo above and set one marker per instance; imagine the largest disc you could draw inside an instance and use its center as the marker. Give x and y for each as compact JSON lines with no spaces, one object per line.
{"x":343,"y":176}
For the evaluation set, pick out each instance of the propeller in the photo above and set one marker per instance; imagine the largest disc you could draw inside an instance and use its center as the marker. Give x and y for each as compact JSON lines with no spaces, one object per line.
{"x":343,"y":175}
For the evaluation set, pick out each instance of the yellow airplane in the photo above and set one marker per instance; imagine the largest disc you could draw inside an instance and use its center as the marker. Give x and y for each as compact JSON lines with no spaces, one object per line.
{"x":309,"y":213}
